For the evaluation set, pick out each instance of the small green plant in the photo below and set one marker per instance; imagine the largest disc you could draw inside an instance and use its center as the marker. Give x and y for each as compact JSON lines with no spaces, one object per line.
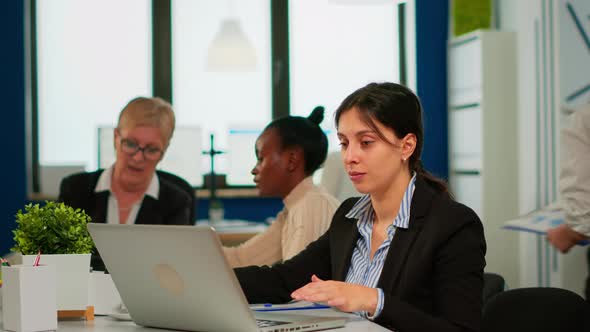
{"x":54,"y":228}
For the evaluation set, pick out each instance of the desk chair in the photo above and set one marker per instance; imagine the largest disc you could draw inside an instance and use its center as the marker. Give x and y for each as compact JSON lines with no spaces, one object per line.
{"x":492,"y":285}
{"x":536,"y":309}
{"x":185,"y":186}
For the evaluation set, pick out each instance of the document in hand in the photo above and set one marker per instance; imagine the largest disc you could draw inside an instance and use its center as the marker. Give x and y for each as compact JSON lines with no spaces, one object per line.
{"x":540,"y":221}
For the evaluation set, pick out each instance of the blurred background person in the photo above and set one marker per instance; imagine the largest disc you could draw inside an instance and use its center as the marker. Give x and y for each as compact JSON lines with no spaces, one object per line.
{"x":131,"y":191}
{"x":574,"y":185}
{"x":288,"y":152}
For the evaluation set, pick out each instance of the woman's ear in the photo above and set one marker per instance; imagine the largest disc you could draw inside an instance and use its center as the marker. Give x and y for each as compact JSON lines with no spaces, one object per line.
{"x":116,"y":135}
{"x":295,"y":156}
{"x":408,"y":146}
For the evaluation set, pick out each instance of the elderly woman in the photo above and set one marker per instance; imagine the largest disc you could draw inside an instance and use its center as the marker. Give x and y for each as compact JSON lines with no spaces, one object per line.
{"x":131,"y":191}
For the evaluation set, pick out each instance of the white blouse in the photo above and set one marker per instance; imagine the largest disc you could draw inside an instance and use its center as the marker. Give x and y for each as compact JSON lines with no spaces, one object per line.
{"x":574,"y":179}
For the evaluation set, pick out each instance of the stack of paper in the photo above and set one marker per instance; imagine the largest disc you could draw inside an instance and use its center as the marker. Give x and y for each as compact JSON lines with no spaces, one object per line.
{"x":293,"y":305}
{"x":540,"y":221}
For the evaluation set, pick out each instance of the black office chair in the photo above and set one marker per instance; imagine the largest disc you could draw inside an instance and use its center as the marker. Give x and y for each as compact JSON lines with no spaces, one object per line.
{"x":492,"y":285}
{"x":536,"y":309}
{"x":185,"y":186}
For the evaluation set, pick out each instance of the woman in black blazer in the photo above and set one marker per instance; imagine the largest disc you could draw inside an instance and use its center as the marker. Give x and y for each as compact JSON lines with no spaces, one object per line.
{"x":131,"y":191}
{"x":405,"y":255}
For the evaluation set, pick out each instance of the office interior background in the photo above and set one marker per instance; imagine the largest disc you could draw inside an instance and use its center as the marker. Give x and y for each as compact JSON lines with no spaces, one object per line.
{"x":69,"y":66}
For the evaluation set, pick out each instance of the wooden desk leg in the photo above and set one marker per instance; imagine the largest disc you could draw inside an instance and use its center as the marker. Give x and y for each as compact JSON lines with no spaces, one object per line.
{"x":87,"y":314}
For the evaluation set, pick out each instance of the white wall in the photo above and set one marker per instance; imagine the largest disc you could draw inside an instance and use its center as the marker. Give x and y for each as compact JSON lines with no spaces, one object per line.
{"x":540,"y":27}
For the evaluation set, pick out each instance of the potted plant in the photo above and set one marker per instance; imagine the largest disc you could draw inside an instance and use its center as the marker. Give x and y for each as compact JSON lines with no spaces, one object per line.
{"x":59,"y":233}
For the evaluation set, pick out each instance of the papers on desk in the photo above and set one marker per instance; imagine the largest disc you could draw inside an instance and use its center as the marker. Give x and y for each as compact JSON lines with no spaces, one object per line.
{"x":540,"y":221}
{"x":295,"y":305}
{"x":308,"y":309}
{"x":235,"y":226}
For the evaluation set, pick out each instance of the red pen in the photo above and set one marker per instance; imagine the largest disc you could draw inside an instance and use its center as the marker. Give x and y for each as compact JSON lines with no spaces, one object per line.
{"x":36,"y":263}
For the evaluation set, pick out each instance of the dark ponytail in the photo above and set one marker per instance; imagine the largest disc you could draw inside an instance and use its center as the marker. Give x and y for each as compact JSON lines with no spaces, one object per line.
{"x":317,"y":115}
{"x":399,"y":109}
{"x":297,"y":131}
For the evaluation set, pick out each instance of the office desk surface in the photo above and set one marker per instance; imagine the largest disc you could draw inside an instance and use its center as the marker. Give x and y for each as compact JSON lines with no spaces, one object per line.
{"x":108,"y":324}
{"x":234,"y":232}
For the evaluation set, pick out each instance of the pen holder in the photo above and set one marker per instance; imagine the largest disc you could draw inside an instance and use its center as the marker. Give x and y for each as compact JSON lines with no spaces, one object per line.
{"x":29,"y":298}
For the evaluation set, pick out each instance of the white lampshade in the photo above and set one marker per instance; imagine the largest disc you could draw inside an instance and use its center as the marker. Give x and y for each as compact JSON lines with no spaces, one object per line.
{"x":231,"y":50}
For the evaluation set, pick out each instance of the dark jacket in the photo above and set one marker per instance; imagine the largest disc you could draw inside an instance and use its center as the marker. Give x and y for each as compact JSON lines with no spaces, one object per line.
{"x":432,"y":277}
{"x":172,"y":208}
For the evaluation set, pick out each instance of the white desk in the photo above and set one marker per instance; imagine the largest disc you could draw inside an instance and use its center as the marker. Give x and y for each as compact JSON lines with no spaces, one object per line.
{"x":234,"y":232}
{"x":108,"y":324}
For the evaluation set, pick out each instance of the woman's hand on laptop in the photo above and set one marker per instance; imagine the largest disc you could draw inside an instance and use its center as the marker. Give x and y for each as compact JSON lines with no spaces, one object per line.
{"x":341,"y":295}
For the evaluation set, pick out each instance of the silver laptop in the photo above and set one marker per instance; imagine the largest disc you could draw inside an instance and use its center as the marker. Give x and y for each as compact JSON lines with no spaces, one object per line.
{"x":176,"y":277}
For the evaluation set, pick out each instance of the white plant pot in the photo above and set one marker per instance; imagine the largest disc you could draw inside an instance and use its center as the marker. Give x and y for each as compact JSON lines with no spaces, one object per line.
{"x":72,"y":272}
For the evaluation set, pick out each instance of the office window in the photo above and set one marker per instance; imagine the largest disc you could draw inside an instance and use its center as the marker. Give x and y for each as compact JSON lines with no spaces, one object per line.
{"x":337,"y":46}
{"x":222,"y":101}
{"x":93,"y":57}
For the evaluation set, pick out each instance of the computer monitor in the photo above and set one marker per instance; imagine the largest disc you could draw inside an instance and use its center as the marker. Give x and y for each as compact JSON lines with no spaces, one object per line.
{"x":241,"y":153}
{"x":51,"y":176}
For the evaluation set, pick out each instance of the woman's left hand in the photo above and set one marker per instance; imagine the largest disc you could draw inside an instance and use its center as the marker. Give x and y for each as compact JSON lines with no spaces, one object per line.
{"x":341,"y":295}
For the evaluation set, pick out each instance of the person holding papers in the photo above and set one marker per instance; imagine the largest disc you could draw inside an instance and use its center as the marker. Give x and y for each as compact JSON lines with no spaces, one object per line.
{"x":288,"y":152}
{"x":574,"y":185}
{"x":131,"y":191}
{"x":405,"y":254}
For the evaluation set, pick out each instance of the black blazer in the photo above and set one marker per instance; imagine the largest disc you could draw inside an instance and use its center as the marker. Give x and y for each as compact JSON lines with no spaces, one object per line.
{"x":432,"y":277}
{"x":173,"y":207}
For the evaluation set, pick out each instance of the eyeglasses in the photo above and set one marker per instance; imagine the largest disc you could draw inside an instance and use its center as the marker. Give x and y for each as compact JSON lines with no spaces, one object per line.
{"x":149,"y":152}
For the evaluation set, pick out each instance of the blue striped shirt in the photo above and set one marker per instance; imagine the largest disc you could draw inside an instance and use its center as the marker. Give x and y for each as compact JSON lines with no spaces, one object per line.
{"x":364,"y":271}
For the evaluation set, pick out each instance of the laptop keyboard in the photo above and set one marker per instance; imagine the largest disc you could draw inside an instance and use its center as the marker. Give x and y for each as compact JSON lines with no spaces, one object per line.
{"x":267,"y":323}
